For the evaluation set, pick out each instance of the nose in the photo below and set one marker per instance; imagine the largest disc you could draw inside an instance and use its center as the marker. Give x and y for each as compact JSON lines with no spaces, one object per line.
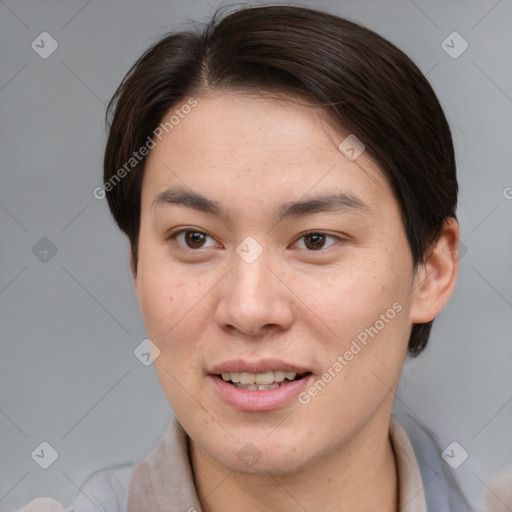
{"x":255,"y":301}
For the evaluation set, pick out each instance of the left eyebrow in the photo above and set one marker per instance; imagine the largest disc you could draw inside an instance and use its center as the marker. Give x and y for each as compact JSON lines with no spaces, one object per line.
{"x":337,"y":201}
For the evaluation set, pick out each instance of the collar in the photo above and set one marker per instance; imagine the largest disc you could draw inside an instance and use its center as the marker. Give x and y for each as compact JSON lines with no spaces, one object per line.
{"x":411,"y":495}
{"x":163,"y":481}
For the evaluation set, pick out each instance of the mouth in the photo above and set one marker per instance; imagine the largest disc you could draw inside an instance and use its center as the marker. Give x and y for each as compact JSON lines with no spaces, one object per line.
{"x":258,"y":385}
{"x":261,"y":381}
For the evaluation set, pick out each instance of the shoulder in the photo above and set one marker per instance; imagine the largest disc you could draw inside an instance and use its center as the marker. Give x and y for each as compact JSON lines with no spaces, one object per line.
{"x":44,"y":505}
{"x":442,"y":491}
{"x":105,"y":490}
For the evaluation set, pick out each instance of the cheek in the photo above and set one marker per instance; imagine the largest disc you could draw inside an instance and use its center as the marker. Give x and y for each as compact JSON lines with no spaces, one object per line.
{"x":363,"y":355}
{"x":364,"y":307}
{"x":349,"y":298}
{"x":158,"y":303}
{"x":167,"y":296}
{"x":173,"y":314}
{"x":177,"y":312}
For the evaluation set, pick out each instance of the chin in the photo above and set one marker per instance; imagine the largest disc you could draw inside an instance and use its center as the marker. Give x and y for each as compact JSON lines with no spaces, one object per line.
{"x":275,"y":462}
{"x":281,"y":455}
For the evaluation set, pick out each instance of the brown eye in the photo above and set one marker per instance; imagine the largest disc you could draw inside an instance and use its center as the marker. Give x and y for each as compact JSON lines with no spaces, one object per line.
{"x":191,"y":239}
{"x":314,"y":241}
{"x":195,"y":239}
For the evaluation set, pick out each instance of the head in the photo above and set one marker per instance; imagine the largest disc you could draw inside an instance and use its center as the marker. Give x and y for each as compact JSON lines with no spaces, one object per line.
{"x":286,"y":180}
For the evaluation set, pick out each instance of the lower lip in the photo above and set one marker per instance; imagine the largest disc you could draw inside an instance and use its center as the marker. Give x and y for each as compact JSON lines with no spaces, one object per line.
{"x":266,"y":400}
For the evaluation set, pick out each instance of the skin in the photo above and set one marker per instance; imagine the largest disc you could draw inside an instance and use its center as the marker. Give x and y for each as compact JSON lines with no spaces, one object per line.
{"x":206,"y":305}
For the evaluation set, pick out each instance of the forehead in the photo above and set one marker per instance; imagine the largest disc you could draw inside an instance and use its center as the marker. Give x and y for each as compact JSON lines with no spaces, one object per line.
{"x":258,"y":146}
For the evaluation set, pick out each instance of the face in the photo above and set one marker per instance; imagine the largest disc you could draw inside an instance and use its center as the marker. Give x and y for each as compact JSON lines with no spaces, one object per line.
{"x":268,"y":258}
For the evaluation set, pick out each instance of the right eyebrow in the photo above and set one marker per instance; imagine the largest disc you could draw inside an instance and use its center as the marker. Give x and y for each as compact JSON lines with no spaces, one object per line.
{"x":180,"y":197}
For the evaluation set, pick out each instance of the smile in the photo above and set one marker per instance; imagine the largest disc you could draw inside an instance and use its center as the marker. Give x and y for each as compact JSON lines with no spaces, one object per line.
{"x":260,"y":381}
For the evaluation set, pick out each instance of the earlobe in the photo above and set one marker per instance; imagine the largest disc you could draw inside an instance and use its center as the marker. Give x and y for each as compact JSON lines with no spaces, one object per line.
{"x":435,"y":280}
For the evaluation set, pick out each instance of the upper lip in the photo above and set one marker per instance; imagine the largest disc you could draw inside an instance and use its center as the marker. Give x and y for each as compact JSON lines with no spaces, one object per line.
{"x":260,"y":366}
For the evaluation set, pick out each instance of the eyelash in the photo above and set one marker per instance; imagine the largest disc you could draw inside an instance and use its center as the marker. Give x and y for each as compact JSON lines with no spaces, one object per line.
{"x":174,"y":235}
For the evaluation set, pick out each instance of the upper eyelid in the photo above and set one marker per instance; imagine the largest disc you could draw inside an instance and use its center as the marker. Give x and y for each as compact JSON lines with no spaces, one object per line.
{"x":318,"y":231}
{"x":174,"y":234}
{"x":184,"y":230}
{"x":338,"y":238}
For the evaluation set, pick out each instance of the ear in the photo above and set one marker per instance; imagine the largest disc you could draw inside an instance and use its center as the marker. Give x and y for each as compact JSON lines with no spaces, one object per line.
{"x":435,"y":280}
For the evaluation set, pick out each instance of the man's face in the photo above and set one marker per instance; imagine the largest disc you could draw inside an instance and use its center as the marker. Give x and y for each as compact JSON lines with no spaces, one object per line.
{"x":297,"y":261}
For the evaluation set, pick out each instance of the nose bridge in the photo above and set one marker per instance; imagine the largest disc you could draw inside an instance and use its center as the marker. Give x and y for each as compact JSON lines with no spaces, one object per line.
{"x":251,"y":277}
{"x":252,"y":298}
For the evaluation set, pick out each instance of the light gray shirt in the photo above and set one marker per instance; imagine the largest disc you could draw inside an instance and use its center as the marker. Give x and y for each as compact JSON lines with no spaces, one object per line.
{"x":163,"y":481}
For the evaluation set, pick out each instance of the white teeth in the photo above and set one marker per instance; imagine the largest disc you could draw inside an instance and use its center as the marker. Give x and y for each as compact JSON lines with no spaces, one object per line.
{"x":279,"y":376}
{"x":259,"y":387}
{"x":247,"y":378}
{"x":258,"y":379}
{"x":263,"y":387}
{"x":264,"y":378}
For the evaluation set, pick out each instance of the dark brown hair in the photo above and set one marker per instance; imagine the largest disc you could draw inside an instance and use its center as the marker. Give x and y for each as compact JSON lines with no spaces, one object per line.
{"x":364,"y":83}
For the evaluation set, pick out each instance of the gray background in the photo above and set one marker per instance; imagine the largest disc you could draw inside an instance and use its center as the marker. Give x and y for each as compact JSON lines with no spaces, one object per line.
{"x":69,"y":324}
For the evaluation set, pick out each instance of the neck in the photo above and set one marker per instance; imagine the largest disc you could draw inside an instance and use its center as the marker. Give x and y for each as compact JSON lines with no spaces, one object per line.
{"x":361,"y":476}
